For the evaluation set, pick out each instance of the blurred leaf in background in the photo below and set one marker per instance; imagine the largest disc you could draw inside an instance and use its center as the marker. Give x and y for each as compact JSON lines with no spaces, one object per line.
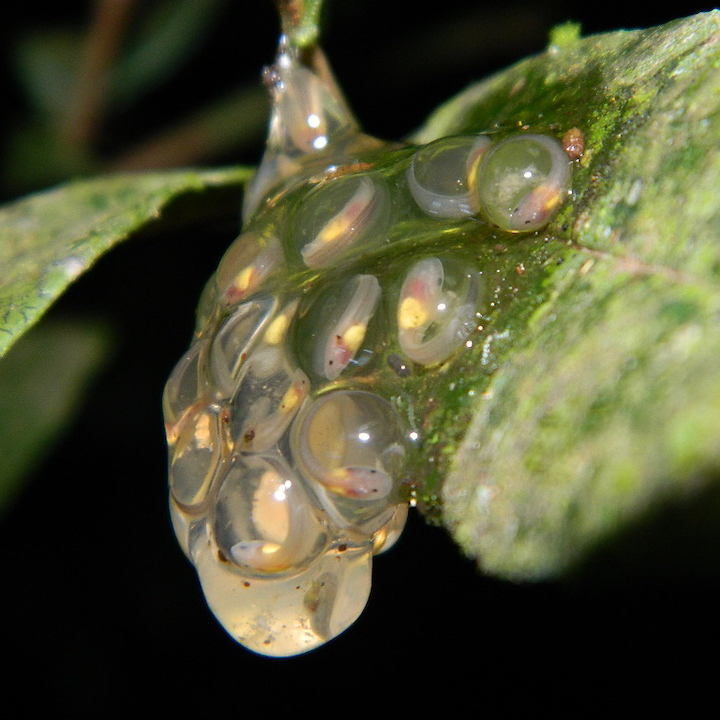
{"x":81,"y":79}
{"x":42,"y":381}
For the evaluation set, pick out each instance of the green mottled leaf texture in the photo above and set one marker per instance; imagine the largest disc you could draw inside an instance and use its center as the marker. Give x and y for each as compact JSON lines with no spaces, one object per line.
{"x":590,"y":406}
{"x":48,"y":239}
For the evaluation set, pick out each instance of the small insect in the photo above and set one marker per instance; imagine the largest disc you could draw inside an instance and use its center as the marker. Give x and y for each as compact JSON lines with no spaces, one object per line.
{"x":287,"y":449}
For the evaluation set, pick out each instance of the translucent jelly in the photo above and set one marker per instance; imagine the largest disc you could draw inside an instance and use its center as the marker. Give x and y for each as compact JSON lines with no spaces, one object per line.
{"x":434,"y":320}
{"x":439,"y":176}
{"x":522,"y":181}
{"x":287,"y":448}
{"x":341,"y":214}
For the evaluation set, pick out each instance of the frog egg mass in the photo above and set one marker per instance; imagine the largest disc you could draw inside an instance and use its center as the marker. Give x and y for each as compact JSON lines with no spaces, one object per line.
{"x":287,"y":423}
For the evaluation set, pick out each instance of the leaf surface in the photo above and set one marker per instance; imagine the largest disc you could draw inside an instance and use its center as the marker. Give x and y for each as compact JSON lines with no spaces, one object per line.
{"x":48,"y":239}
{"x":590,"y":405}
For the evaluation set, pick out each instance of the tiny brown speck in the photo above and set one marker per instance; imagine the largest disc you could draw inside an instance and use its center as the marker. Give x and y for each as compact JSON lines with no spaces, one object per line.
{"x":573,"y":142}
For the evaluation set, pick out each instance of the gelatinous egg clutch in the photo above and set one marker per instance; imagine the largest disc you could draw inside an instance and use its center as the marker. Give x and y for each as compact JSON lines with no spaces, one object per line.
{"x":287,"y":447}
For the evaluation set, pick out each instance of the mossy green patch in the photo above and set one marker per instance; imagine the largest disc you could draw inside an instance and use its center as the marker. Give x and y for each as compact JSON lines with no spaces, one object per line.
{"x":603,"y":404}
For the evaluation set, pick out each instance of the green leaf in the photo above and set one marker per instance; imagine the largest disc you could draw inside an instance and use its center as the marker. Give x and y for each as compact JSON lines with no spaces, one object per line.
{"x":46,"y":62}
{"x":589,"y":410}
{"x":41,"y":382}
{"x":48,"y":239}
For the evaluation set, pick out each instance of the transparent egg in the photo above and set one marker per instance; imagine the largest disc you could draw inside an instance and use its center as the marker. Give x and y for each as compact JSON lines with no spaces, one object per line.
{"x":337,"y":216}
{"x":265,"y":404}
{"x":246,"y":265}
{"x":311,"y":129}
{"x":308,"y":114}
{"x":440,"y":172}
{"x":349,"y":443}
{"x":345,"y":337}
{"x":522,"y":182}
{"x":195,"y":458}
{"x":339,"y":329}
{"x":277,"y":330}
{"x":182,"y":393}
{"x":264,"y":521}
{"x":235,"y":338}
{"x":434,"y":318}
{"x":345,"y":320}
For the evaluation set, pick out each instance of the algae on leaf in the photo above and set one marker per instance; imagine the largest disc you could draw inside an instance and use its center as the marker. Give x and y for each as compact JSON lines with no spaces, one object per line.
{"x":604,"y":404}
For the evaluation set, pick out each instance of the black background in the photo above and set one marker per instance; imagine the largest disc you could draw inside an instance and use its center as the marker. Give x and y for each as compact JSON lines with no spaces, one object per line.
{"x":100,"y":611}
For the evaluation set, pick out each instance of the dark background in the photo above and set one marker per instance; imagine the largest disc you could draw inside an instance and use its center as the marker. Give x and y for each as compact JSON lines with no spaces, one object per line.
{"x":101,"y":611}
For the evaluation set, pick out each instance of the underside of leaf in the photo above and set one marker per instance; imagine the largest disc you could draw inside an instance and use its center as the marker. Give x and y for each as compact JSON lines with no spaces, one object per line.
{"x":592,"y":403}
